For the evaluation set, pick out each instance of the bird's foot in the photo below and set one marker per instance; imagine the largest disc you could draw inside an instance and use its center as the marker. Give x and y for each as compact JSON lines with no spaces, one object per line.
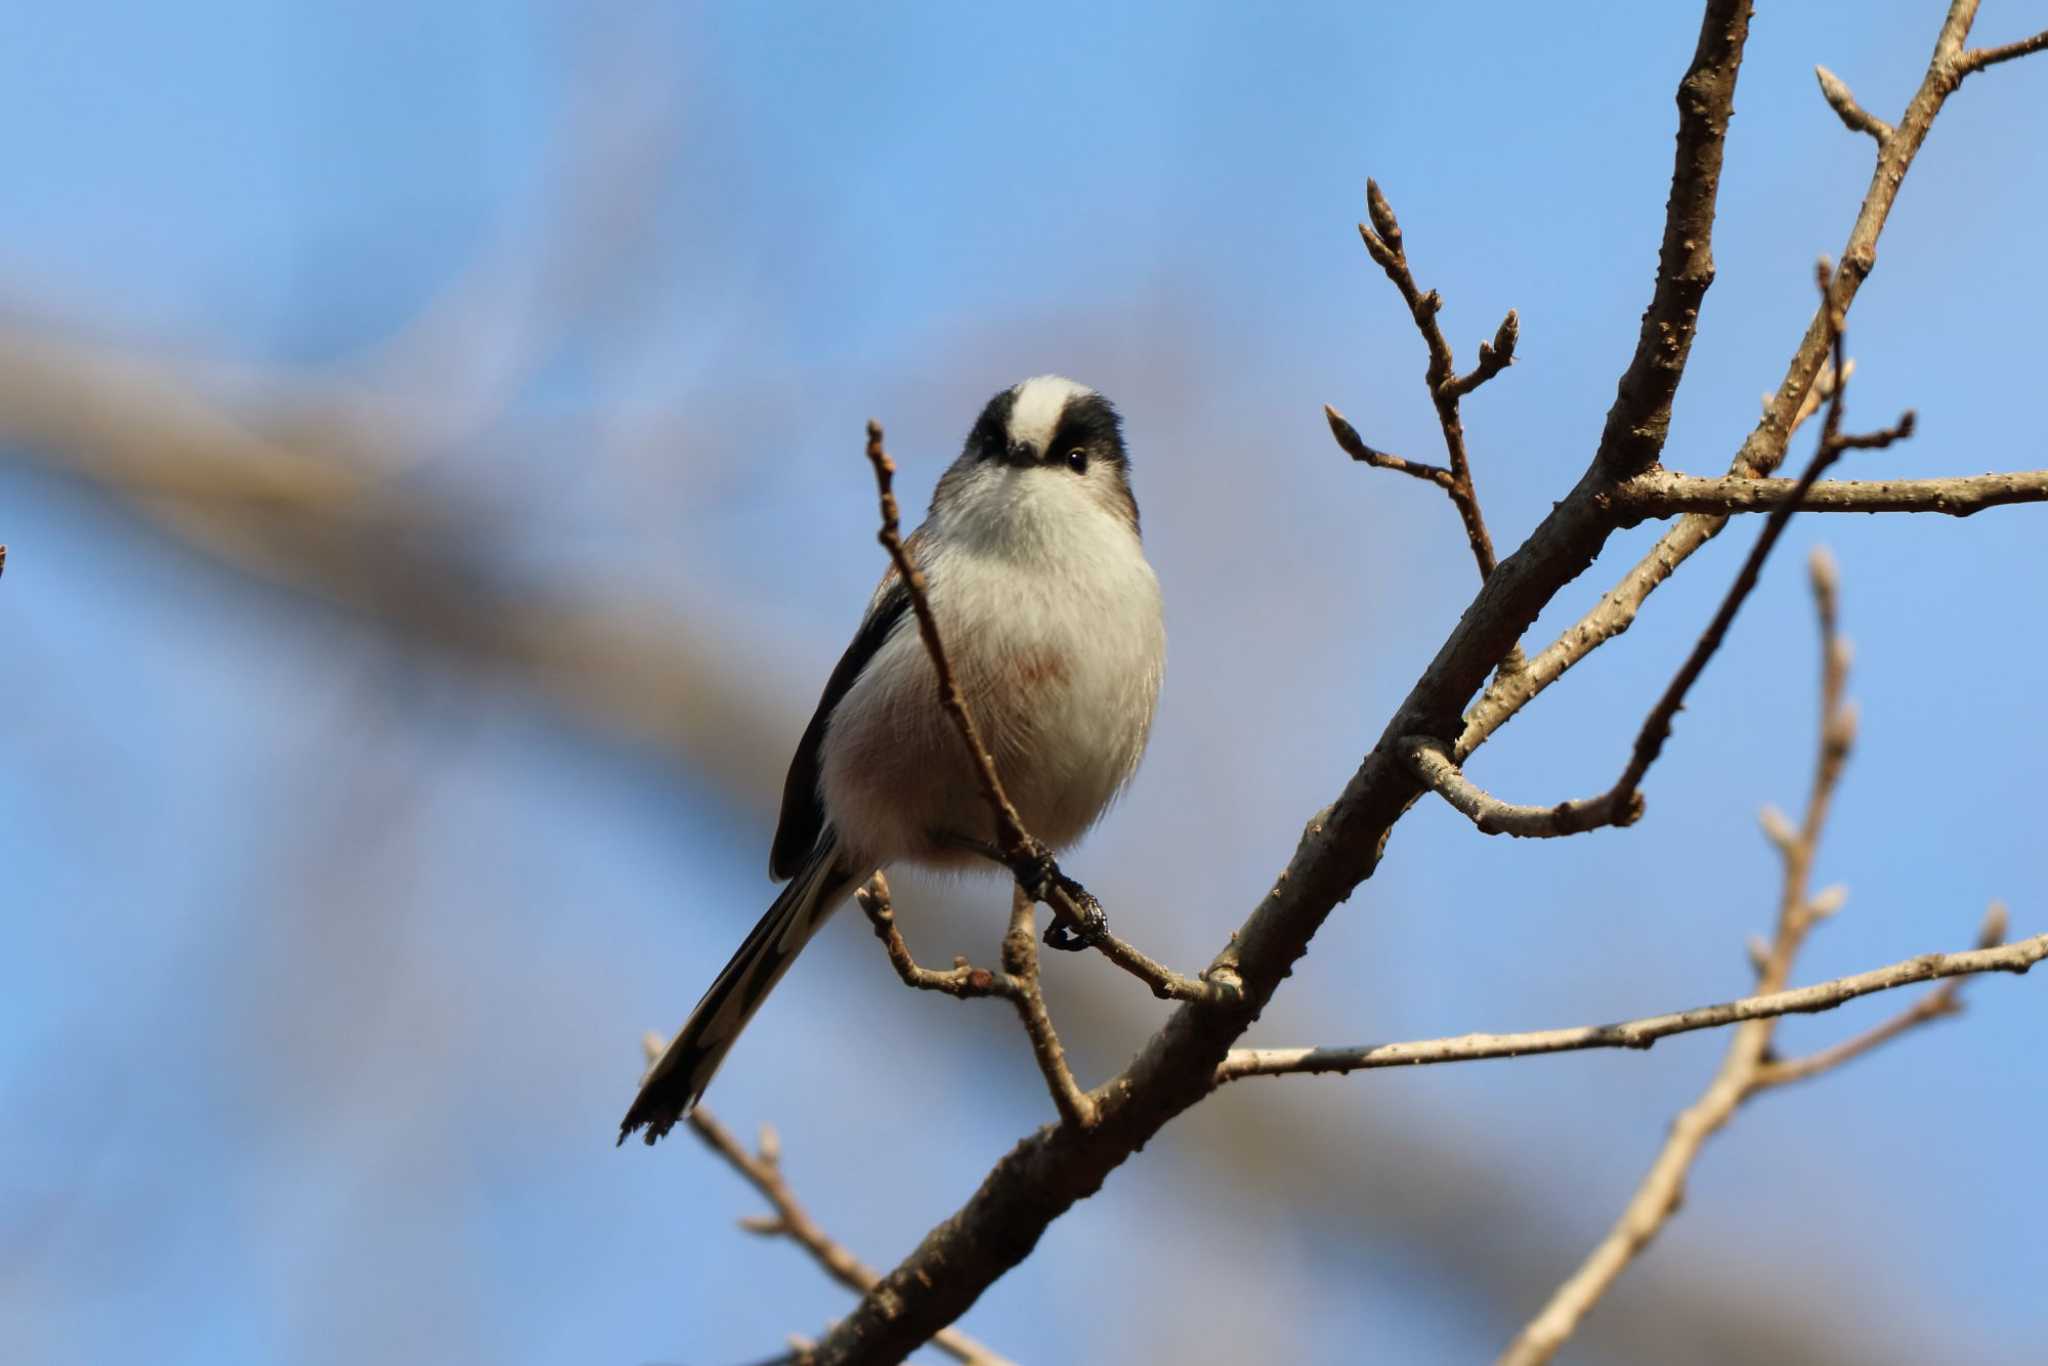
{"x":1086,"y":928}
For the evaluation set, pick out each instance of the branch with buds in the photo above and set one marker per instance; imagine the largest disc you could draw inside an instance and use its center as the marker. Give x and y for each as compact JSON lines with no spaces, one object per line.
{"x":1385,"y":244}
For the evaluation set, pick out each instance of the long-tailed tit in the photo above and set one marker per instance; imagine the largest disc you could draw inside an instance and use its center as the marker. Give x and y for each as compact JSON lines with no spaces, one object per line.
{"x":1051,"y":621}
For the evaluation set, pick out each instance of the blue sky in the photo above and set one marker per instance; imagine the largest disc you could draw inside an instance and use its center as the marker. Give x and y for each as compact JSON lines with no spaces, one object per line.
{"x":328,"y":959}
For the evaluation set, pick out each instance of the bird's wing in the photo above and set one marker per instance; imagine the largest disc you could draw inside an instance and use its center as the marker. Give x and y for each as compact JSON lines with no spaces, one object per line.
{"x":803,"y":810}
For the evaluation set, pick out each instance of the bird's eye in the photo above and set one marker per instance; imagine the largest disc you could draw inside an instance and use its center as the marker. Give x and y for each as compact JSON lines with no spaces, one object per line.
{"x":1077,"y":460}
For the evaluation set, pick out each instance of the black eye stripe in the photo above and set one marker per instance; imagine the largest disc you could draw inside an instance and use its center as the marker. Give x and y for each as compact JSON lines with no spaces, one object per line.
{"x":1088,"y":424}
{"x":1091,"y":425}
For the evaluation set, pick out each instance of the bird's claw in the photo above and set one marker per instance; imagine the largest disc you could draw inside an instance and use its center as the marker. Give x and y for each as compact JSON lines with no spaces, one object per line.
{"x":1040,"y":879}
{"x":1088,"y":931}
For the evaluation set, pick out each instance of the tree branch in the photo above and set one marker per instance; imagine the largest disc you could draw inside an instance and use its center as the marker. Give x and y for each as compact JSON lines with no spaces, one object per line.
{"x":1622,"y":804}
{"x":1641,"y":415}
{"x":1017,"y":983}
{"x":1027,"y":857}
{"x":1040,"y":1178}
{"x":1355,"y":447}
{"x":1046,"y":1172}
{"x":1446,"y":387}
{"x":1666,"y":493}
{"x":1425,"y":754}
{"x":1764,"y":449}
{"x":1744,"y":1070}
{"x":1976,"y":59}
{"x":1642,"y":1033}
{"x":1935,"y":1005}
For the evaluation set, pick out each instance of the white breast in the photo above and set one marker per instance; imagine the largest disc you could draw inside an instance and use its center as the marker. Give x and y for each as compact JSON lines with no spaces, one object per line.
{"x":1051,"y":618}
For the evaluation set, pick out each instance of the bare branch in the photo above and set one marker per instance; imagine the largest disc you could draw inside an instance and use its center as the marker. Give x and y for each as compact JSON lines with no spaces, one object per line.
{"x":1355,"y":447}
{"x":1764,"y":449}
{"x":1657,"y":1197}
{"x":1935,"y":1005}
{"x":763,"y":1171}
{"x":1020,"y":965}
{"x":1383,"y":241}
{"x":1642,"y":1033}
{"x":1820,"y":391}
{"x":1425,"y":754}
{"x":1853,"y":115}
{"x":1664,"y":493}
{"x":1657,"y":727}
{"x":1976,"y":59}
{"x":1017,"y":983}
{"x":961,"y":981}
{"x":1640,"y":417}
{"x":1218,"y":985}
{"x":1042,"y":1177}
{"x":1621,"y":804}
{"x":1018,"y":845}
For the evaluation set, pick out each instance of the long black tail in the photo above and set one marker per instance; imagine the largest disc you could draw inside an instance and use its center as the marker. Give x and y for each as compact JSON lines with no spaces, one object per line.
{"x":676,"y":1082}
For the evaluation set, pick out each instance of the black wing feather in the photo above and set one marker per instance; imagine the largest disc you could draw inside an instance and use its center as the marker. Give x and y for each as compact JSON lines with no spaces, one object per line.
{"x":803,"y":811}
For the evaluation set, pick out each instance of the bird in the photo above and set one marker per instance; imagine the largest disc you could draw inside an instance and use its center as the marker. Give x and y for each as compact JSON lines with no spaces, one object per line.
{"x":1052,"y":621}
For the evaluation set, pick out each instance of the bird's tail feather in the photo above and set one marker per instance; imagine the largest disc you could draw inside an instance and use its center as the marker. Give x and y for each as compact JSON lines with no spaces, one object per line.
{"x":675,"y":1082}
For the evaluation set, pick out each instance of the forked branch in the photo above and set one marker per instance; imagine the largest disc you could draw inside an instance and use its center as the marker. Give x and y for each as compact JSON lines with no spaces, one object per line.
{"x":1764,"y":449}
{"x":1383,"y":241}
{"x":1748,"y":1066}
{"x":1622,"y":803}
{"x":1017,"y":983}
{"x":1049,"y":1170}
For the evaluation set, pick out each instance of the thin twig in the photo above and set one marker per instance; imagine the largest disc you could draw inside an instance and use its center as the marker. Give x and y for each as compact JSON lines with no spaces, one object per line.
{"x":1657,"y":726}
{"x":1938,"y":1004}
{"x":1020,"y":965}
{"x":1040,"y":1179}
{"x":1017,"y":983}
{"x":1765,"y":447}
{"x":1218,"y":985}
{"x":1622,"y":803}
{"x":1665,"y":493}
{"x":1748,"y":1066}
{"x":1383,"y":242}
{"x":2015,"y":958}
{"x":1426,"y":755}
{"x":763,"y":1171}
{"x":1017,"y":844}
{"x":1976,"y":59}
{"x":1355,"y":447}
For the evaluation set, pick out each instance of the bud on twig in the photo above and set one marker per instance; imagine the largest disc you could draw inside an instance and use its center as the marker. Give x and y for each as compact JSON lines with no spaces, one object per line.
{"x":1382,"y":215}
